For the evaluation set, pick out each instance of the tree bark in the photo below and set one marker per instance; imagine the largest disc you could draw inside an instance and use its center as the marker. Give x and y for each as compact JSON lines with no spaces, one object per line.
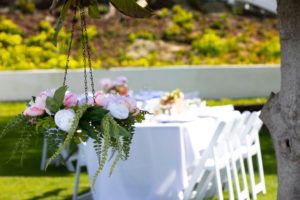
{"x":282,"y":112}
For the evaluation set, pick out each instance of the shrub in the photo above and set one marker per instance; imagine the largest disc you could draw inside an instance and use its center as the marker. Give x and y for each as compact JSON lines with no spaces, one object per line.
{"x":210,"y":44}
{"x":145,"y":35}
{"x":271,"y":48}
{"x":172,"y":31}
{"x":163,"y":12}
{"x":183,"y":18}
{"x":9,"y":27}
{"x":10,"y":40}
{"x":26,"y":6}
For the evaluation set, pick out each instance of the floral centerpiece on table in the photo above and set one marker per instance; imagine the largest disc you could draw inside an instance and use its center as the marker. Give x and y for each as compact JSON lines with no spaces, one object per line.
{"x":63,"y":116}
{"x":116,"y":86}
{"x":170,"y":100}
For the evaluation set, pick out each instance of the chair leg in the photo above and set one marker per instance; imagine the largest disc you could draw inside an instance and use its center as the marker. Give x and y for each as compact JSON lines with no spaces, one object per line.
{"x":218,"y":182}
{"x":245,"y":190}
{"x":77,"y":178}
{"x":252,"y":177}
{"x":44,"y":154}
{"x":261,"y":168}
{"x":229,"y":182}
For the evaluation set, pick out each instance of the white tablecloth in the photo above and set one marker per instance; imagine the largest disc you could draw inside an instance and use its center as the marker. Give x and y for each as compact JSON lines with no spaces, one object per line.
{"x":158,"y":163}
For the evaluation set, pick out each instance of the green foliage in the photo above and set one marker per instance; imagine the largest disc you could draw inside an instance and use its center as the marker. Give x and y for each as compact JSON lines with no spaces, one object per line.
{"x":26,"y":6}
{"x":78,"y":114}
{"x":9,"y":27}
{"x":23,"y":126}
{"x":183,"y":18}
{"x":210,"y":44}
{"x":270,"y":48}
{"x":145,"y":35}
{"x":236,"y":102}
{"x":10,"y":40}
{"x":163,"y":12}
{"x":55,"y":103}
{"x":172,"y":31}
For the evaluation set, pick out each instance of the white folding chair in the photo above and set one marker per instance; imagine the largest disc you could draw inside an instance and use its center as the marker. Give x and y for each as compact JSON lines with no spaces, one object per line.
{"x":251,"y":147}
{"x":64,"y":154}
{"x":199,"y":180}
{"x":79,"y":157}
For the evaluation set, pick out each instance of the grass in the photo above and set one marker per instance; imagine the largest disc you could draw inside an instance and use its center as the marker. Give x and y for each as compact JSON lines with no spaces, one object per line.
{"x":27,"y":182}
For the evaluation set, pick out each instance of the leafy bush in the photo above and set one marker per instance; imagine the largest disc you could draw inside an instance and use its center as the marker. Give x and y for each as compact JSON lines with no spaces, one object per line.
{"x":10,"y":40}
{"x":145,"y":35}
{"x":182,"y":18}
{"x":172,"y":31}
{"x":271,"y":48}
{"x":8,"y":26}
{"x":210,"y":44}
{"x":26,"y":6}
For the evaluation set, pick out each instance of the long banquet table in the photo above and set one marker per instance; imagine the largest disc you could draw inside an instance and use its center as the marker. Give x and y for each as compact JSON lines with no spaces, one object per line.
{"x":160,"y":157}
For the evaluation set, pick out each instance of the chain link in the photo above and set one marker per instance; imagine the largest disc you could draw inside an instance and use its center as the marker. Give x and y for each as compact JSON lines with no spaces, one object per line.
{"x":86,"y":53}
{"x":70,"y":46}
{"x":83,"y":42}
{"x":89,"y":58}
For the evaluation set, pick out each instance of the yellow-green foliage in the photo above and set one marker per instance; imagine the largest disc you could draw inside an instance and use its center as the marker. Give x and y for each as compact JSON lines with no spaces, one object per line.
{"x":271,"y":48}
{"x":36,"y":51}
{"x":8,"y":26}
{"x":210,"y":44}
{"x":182,"y":18}
{"x":141,"y":35}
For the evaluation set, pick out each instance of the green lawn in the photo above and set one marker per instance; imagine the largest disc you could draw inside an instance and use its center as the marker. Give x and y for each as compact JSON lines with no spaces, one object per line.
{"x":28,"y":182}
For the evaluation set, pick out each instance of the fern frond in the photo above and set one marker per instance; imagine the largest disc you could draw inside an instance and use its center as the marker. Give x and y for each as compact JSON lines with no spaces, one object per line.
{"x":106,"y":131}
{"x":71,"y":133}
{"x":118,"y":156}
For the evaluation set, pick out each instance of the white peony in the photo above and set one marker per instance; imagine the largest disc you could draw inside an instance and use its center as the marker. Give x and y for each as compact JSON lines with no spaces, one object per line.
{"x":64,"y":119}
{"x":118,"y":110}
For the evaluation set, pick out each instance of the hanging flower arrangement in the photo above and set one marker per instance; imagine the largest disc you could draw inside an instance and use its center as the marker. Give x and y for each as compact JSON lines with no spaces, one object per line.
{"x":63,"y":116}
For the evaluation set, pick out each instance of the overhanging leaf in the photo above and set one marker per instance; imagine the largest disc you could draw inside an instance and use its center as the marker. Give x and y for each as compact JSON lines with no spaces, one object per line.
{"x":94,"y":114}
{"x":62,"y":17}
{"x":85,"y":126}
{"x":52,"y":105}
{"x":94,"y":11}
{"x":59,"y":95}
{"x":131,"y":8}
{"x":54,"y":3}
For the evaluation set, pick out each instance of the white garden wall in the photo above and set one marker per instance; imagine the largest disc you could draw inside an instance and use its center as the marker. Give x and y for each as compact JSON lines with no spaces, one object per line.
{"x":210,"y":82}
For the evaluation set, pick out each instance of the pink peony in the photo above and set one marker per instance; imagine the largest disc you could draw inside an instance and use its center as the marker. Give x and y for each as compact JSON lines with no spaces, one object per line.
{"x":106,"y":84}
{"x":70,"y":100}
{"x":104,"y":100}
{"x":34,"y":111}
{"x":130,"y":103}
{"x":121,"y":80}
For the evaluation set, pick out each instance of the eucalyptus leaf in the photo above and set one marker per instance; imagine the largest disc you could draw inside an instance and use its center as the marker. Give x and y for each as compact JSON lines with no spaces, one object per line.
{"x":131,"y":8}
{"x":52,"y":105}
{"x":59,"y":94}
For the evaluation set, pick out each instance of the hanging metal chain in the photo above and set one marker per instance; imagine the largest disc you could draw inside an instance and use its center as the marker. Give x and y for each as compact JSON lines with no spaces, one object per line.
{"x":89,"y":58}
{"x":70,"y":46}
{"x":83,"y":42}
{"x":86,"y":54}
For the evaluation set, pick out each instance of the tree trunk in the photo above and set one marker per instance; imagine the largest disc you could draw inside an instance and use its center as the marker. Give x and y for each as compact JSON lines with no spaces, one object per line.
{"x":282,"y":112}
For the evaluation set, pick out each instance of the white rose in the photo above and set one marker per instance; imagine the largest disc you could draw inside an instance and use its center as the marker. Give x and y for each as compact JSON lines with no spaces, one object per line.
{"x":64,"y":119}
{"x":118,"y":111}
